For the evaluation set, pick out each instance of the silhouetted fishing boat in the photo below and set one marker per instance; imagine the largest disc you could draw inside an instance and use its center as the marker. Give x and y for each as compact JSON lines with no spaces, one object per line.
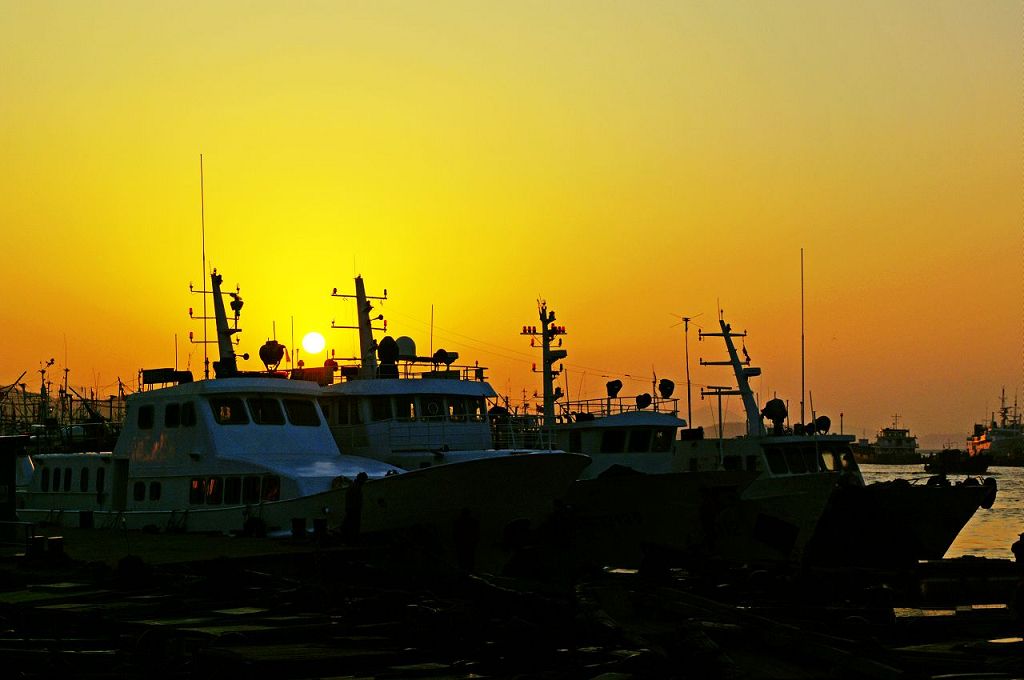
{"x":879,"y":524}
{"x":957,"y":462}
{"x":418,"y":412}
{"x":797,"y":469}
{"x":252,"y":452}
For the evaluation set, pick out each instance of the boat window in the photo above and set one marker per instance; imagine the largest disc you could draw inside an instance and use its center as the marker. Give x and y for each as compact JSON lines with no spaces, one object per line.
{"x":195,"y":491}
{"x":67,"y":479}
{"x":326,"y":405}
{"x":83,"y":480}
{"x":145,"y":419}
{"x":457,"y":409}
{"x":776,"y":461}
{"x":405,"y":408}
{"x":811,"y":459}
{"x":214,"y":490}
{"x":346,"y":411}
{"x":849,"y":462}
{"x":232,"y":490}
{"x":154,"y":491}
{"x":266,"y":411}
{"x":271,"y":488}
{"x":302,"y":412}
{"x":639,"y":441}
{"x":830,"y":461}
{"x":732,"y":462}
{"x":380,"y":408}
{"x":56,"y":479}
{"x":575,"y":441}
{"x":251,"y":490}
{"x":795,"y":461}
{"x":477,"y":409}
{"x":662,"y":441}
{"x":433,"y":407}
{"x":228,"y":411}
{"x":139,"y":491}
{"x":172,"y":415}
{"x":44,"y":481}
{"x":613,"y":441}
{"x":101,"y":476}
{"x":188,"y":414}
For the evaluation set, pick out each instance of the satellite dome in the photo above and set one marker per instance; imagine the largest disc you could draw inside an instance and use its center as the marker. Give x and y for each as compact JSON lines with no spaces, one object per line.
{"x":406,"y":348}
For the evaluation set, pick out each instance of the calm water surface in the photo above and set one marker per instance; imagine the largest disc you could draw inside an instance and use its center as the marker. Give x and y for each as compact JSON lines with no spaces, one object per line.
{"x":990,"y":533}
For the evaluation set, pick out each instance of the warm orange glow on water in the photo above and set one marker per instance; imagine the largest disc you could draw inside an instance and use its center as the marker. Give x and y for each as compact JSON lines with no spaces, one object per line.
{"x":625,"y":163}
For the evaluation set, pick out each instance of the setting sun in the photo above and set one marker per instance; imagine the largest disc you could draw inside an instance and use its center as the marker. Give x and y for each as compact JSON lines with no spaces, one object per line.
{"x":313,"y":342}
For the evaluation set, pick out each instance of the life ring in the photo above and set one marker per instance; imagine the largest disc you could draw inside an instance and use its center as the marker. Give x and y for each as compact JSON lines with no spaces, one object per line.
{"x":433,"y":409}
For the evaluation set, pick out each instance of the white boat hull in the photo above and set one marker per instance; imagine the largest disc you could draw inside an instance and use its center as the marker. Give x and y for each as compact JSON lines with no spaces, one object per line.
{"x":422,"y":506}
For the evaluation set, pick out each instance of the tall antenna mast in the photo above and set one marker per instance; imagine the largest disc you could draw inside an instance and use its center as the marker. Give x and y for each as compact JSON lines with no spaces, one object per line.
{"x":802,"y":375}
{"x":686,"y":354}
{"x":547,"y":332}
{"x":202,"y":217}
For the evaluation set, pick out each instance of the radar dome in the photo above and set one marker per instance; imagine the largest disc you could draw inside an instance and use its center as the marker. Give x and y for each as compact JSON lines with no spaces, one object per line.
{"x":406,"y":348}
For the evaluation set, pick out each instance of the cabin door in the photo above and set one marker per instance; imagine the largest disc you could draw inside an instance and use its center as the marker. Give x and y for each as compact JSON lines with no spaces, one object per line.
{"x":119,"y":486}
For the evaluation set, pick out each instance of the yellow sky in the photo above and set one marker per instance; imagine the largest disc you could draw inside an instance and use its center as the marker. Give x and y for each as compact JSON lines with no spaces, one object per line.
{"x":626,"y":161}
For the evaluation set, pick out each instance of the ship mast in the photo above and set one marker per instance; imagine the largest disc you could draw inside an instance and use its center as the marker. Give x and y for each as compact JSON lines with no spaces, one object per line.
{"x":227,"y":366}
{"x":367,"y":346}
{"x":742,"y":370}
{"x":547,"y":333}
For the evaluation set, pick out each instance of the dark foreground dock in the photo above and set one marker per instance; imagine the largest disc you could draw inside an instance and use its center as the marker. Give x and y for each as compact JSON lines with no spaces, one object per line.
{"x":107,"y":605}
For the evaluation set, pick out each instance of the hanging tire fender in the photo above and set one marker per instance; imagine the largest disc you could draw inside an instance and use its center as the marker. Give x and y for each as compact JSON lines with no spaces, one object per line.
{"x":990,"y":493}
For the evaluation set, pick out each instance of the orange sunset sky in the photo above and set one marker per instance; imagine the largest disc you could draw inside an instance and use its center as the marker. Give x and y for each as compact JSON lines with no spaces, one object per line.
{"x":627,"y":161}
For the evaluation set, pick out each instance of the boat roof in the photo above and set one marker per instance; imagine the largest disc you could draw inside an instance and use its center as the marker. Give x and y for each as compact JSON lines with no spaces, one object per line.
{"x":628,"y":419}
{"x":797,"y":438}
{"x":411,"y":386}
{"x":246,"y":384}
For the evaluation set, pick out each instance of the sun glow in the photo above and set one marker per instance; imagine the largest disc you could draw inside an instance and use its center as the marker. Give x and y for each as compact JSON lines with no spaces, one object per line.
{"x":313,"y":342}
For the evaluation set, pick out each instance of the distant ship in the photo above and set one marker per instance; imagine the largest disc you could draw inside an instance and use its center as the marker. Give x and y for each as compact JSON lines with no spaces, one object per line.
{"x":957,"y":462}
{"x":1002,"y":440}
{"x":892,"y":446}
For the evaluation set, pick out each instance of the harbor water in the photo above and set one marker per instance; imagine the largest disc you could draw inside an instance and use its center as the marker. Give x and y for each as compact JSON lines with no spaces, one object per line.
{"x":990,"y":533}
